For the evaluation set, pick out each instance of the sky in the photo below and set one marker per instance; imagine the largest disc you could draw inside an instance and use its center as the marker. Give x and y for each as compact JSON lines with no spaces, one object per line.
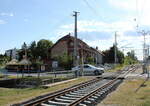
{"x":98,"y":20}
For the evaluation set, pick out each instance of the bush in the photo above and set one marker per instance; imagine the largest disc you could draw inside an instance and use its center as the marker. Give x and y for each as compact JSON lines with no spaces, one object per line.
{"x":64,"y":61}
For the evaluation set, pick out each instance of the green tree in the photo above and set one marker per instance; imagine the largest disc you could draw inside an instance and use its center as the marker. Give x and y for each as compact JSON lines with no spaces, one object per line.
{"x":24,"y":46}
{"x":132,"y":55}
{"x":90,"y":60}
{"x":3,"y":60}
{"x":65,"y":61}
{"x":42,"y":48}
{"x":33,"y":51}
{"x":109,"y":55}
{"x":130,"y":58}
{"x":21,"y":52}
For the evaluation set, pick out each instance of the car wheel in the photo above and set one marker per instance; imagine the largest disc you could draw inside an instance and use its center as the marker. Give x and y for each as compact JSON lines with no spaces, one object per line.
{"x":76,"y":73}
{"x":100,"y":74}
{"x":96,"y":72}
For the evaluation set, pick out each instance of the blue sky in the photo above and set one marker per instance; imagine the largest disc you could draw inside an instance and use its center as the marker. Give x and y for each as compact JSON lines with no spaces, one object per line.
{"x":28,"y":20}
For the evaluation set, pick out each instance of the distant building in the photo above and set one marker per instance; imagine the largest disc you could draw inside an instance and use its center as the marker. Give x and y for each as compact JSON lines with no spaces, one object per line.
{"x":98,"y":56}
{"x":66,"y":45}
{"x":12,"y":53}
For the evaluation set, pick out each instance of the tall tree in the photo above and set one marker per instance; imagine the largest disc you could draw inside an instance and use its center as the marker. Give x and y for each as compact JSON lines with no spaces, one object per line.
{"x":132,"y":55}
{"x":109,"y":55}
{"x":23,"y":51}
{"x":43,"y":47}
{"x":130,"y":58}
{"x":3,"y":59}
{"x":64,"y":61}
{"x":24,"y":46}
{"x":33,"y":51}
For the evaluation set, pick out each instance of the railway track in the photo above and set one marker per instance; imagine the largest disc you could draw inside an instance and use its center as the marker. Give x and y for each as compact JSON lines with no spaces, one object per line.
{"x":84,"y":94}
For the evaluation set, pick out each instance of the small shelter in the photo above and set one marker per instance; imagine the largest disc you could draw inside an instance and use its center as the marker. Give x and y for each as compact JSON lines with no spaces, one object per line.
{"x":24,"y":64}
{"x":12,"y":65}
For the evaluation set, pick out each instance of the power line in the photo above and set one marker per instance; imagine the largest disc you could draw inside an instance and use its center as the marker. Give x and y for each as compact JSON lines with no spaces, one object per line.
{"x":142,"y":7}
{"x":139,"y":11}
{"x":91,"y":8}
{"x":60,"y":22}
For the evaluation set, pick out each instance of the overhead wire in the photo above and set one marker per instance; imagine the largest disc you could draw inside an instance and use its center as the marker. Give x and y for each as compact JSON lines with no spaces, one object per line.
{"x":91,"y":8}
{"x":140,"y":6}
{"x":56,"y":25}
{"x":137,"y":14}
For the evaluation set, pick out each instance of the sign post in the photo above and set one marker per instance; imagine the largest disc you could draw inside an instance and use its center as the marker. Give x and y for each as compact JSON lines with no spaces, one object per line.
{"x":54,"y":66}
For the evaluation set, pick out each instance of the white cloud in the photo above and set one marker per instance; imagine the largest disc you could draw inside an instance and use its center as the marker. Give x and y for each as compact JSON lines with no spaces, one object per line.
{"x":2,"y":22}
{"x":124,"y":4}
{"x":7,"y":14}
{"x":140,"y":9}
{"x":91,"y":26}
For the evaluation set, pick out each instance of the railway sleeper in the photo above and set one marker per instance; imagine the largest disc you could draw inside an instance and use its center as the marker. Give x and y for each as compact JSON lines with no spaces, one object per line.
{"x":69,"y":98}
{"x":91,"y":99}
{"x":81,"y":92}
{"x":78,"y":94}
{"x":63,"y":100}
{"x":71,"y":95}
{"x":44,"y":104}
{"x":82,"y":104}
{"x":105,"y":92}
{"x":57,"y":103}
{"x":87,"y":102}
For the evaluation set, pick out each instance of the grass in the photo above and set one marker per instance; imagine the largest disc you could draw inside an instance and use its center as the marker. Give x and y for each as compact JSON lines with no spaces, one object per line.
{"x":10,"y":95}
{"x":117,"y":68}
{"x":1,"y":76}
{"x":130,"y":93}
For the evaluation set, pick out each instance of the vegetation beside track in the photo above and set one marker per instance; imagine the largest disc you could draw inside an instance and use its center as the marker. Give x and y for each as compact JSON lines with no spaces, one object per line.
{"x":130,"y":93}
{"x":11,"y":95}
{"x":117,"y":68}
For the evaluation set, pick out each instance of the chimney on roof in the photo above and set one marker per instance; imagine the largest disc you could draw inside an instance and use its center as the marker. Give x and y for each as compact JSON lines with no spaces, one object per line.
{"x":69,"y":34}
{"x":96,"y":47}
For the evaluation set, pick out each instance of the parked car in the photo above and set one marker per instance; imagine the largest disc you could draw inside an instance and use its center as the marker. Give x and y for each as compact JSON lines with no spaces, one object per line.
{"x":88,"y":70}
{"x":108,"y":66}
{"x":101,"y":66}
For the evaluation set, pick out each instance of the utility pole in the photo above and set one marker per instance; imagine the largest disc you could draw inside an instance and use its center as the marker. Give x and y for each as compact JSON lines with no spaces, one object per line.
{"x":144,"y":48}
{"x":148,"y":51}
{"x":115,"y":48}
{"x":76,"y":56}
{"x":144,"y":33}
{"x":82,"y":61}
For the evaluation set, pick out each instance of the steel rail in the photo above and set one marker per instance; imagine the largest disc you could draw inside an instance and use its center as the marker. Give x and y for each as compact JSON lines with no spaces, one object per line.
{"x":59,"y":93}
{"x":78,"y":101}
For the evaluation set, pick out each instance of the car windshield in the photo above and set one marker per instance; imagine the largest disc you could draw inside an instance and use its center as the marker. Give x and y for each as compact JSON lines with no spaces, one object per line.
{"x":91,"y":66}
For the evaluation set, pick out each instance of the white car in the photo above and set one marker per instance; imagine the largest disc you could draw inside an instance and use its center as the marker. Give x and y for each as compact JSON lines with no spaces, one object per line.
{"x":88,"y":70}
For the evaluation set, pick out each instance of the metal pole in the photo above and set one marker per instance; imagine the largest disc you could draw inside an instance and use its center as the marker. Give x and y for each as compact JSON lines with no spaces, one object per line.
{"x":144,"y":49}
{"x":75,"y":41}
{"x":115,"y":47}
{"x":144,"y":53}
{"x":82,"y":61}
{"x":148,"y":51}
